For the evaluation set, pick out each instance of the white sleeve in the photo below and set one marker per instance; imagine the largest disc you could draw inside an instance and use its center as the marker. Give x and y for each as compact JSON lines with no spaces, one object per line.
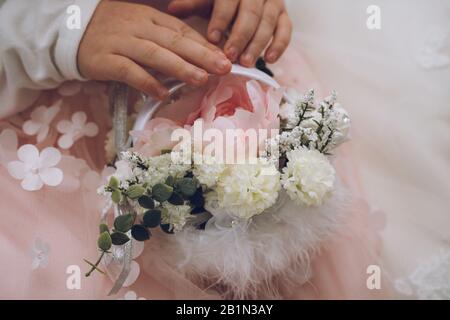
{"x":38,"y":50}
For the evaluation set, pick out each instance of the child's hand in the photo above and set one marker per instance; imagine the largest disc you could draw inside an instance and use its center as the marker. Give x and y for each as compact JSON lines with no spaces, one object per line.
{"x":258,"y":23}
{"x":123,"y":38}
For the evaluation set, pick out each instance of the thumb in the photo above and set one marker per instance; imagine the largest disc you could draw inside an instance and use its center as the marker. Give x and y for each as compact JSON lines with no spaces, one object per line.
{"x":187,"y":8}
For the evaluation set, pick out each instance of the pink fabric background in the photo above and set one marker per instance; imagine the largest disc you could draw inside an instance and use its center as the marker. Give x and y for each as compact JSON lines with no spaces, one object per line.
{"x":68,"y":223}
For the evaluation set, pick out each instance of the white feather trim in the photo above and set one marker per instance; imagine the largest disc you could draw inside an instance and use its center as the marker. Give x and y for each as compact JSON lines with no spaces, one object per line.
{"x":259,"y":261}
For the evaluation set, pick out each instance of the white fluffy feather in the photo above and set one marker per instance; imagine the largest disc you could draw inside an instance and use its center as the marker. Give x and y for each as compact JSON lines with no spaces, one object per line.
{"x":261,"y":261}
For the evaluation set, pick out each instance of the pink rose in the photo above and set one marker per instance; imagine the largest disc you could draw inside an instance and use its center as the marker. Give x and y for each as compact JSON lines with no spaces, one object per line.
{"x":231,"y":102}
{"x":239,"y":103}
{"x":155,"y":138}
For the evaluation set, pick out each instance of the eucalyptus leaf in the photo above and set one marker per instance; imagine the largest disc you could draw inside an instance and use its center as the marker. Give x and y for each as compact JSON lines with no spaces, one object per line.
{"x":116,"y":196}
{"x":198,"y":200}
{"x":140,"y":233}
{"x":152,"y":218}
{"x":166,"y":228}
{"x":119,"y":238}
{"x":187,"y":186}
{"x":124,"y":222}
{"x":104,"y":241}
{"x":146,"y":202}
{"x":113,"y":183}
{"x":161,"y":192}
{"x":135,"y":191}
{"x":103,"y":228}
{"x":176,"y":199}
{"x":170,"y":181}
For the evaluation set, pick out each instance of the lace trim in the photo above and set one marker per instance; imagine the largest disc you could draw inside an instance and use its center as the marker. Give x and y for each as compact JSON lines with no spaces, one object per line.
{"x":433,"y":53}
{"x":431,"y":279}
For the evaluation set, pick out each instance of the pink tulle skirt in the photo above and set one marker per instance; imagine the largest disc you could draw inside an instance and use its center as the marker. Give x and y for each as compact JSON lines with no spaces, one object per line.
{"x":46,"y":234}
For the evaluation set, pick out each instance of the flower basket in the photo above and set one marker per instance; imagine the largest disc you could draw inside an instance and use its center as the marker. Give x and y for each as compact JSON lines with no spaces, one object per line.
{"x":240,"y":256}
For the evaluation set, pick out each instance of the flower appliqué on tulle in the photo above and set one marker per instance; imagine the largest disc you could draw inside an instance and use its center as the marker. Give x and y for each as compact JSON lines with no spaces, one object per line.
{"x":75,"y":129}
{"x":35,"y":168}
{"x":40,"y":121}
{"x":39,"y":253}
{"x":131,"y":295}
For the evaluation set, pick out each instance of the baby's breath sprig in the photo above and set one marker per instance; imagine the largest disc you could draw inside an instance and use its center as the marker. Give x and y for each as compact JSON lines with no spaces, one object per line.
{"x":304,"y":108}
{"x":312,"y":126}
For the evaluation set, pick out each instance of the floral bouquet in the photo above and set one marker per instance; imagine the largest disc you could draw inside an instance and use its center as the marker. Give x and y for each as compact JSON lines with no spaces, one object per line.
{"x":237,"y":182}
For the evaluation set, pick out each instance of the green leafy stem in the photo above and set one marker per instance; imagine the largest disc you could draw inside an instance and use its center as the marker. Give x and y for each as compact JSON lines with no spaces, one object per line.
{"x":174,"y":191}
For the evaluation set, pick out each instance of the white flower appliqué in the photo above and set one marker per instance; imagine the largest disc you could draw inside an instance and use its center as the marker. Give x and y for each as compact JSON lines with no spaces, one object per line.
{"x":131,"y":295}
{"x":39,"y":254}
{"x":39,"y":124}
{"x":75,"y":129}
{"x":36,"y":169}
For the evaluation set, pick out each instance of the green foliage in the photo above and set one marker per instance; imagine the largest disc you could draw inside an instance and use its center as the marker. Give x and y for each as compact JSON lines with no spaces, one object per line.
{"x":104,"y":241}
{"x":140,"y":233}
{"x":146,"y":202}
{"x":119,"y":238}
{"x":161,"y":192}
{"x":135,"y":191}
{"x":152,"y":218}
{"x":103,"y":228}
{"x":187,"y":186}
{"x":124,"y":222}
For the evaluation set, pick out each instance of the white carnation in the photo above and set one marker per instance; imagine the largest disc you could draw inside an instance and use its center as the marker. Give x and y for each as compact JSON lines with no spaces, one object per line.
{"x":207,"y":170}
{"x":160,"y":167}
{"x":309,"y":177}
{"x":176,"y":216}
{"x":246,"y":190}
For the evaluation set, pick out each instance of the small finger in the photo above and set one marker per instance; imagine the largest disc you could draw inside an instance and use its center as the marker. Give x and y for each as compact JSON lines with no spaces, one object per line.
{"x":162,"y":60}
{"x":249,"y":16}
{"x":281,"y":39}
{"x":127,"y":71}
{"x":178,"y":26}
{"x":192,"y":51}
{"x":263,"y":36}
{"x":223,"y":14}
{"x":187,"y":8}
